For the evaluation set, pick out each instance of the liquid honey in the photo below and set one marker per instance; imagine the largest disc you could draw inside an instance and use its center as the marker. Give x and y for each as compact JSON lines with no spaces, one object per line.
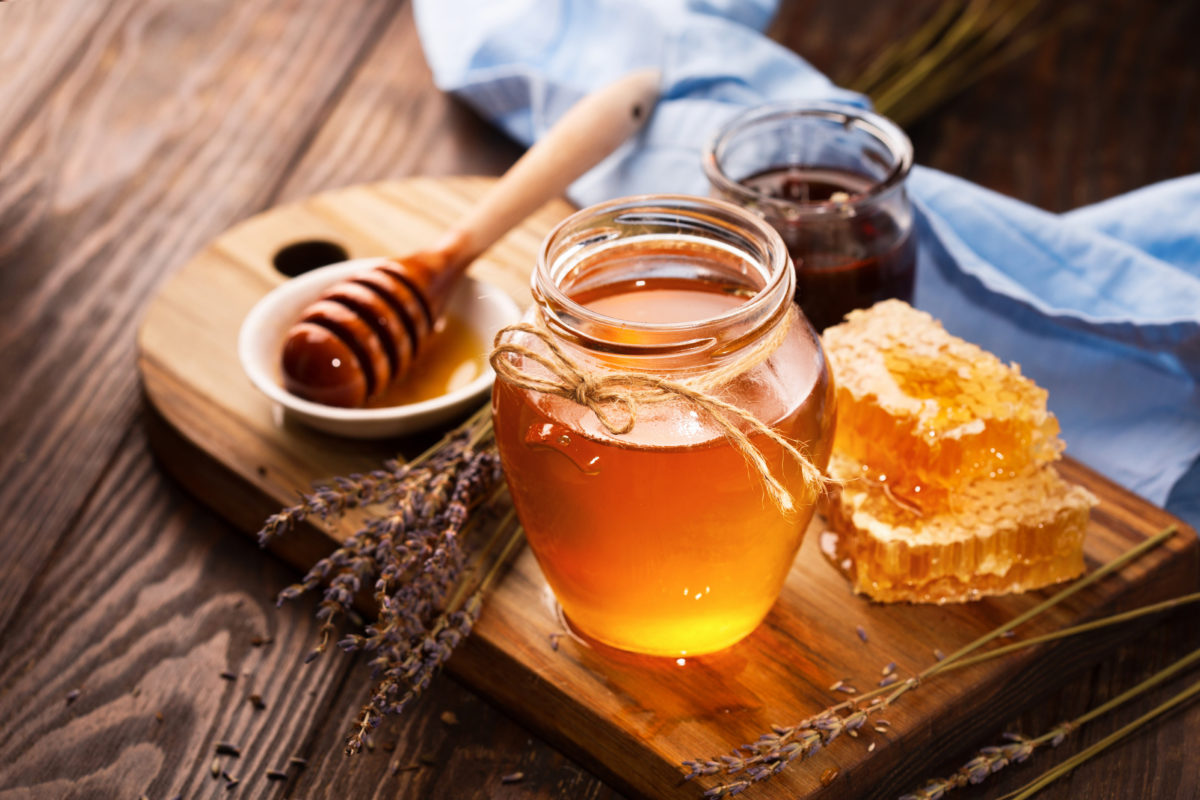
{"x":451,"y":358}
{"x":663,"y":540}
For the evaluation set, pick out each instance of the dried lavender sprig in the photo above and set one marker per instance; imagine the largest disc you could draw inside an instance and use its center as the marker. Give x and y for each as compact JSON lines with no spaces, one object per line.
{"x":411,"y":553}
{"x":990,"y":760}
{"x":416,"y":586}
{"x":1074,"y":630}
{"x":405,"y":606}
{"x":406,"y":679}
{"x":330,"y":502}
{"x":1074,"y":761}
{"x":769,"y":749}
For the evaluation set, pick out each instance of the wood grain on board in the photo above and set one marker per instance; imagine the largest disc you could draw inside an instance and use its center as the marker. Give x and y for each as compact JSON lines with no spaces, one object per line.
{"x":132,"y":132}
{"x":633,"y":719}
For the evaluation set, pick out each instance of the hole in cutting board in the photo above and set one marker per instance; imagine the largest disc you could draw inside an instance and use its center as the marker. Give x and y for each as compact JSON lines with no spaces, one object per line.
{"x":300,"y":257}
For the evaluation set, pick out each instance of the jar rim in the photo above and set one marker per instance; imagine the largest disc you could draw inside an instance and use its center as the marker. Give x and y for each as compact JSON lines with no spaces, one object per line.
{"x":704,"y":212}
{"x":882,"y":129}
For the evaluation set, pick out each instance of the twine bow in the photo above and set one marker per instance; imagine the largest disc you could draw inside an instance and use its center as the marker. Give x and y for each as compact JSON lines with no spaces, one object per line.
{"x":614,"y":397}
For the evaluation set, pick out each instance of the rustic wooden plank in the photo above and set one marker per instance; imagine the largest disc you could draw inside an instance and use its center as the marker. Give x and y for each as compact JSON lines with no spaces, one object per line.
{"x":146,"y":604}
{"x":157,"y":127}
{"x":976,"y":136}
{"x":633,"y":719}
{"x":392,"y":122}
{"x":148,"y":629}
{"x":429,"y":755}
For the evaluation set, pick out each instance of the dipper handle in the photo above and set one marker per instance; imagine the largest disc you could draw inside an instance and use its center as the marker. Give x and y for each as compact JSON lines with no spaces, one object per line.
{"x":364,"y":333}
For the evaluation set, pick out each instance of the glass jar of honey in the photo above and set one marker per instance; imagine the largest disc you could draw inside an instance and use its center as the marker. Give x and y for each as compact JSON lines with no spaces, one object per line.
{"x":831,"y":179}
{"x":663,"y":379}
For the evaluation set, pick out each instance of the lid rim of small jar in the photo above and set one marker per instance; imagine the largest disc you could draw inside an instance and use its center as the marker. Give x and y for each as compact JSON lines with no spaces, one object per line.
{"x":879,"y":126}
{"x":776,"y":251}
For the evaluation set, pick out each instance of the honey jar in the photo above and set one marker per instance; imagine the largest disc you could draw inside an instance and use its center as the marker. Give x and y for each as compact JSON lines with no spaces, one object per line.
{"x":831,"y":179}
{"x":662,"y":416}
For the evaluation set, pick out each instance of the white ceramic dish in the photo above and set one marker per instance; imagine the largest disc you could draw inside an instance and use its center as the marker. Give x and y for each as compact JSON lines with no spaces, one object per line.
{"x":483,"y":307}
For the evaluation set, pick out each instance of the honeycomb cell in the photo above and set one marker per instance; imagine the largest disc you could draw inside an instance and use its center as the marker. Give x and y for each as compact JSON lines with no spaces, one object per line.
{"x":925,"y":412}
{"x":997,"y":536}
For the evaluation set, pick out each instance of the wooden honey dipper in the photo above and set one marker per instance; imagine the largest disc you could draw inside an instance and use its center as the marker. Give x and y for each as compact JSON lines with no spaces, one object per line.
{"x":364,"y":333}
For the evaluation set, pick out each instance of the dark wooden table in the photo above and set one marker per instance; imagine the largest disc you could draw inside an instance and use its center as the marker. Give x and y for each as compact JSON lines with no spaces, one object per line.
{"x":134,"y":131}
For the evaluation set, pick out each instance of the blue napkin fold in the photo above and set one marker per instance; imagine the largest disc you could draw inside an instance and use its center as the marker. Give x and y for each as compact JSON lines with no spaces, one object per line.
{"x":1101,"y":306}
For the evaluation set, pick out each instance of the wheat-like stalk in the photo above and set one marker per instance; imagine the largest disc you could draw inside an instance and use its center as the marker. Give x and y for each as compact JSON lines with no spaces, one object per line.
{"x":962,"y":42}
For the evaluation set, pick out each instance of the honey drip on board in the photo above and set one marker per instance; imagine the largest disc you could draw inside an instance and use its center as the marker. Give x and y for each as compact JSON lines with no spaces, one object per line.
{"x":451,"y":358}
{"x":661,"y":541}
{"x":944,"y":455}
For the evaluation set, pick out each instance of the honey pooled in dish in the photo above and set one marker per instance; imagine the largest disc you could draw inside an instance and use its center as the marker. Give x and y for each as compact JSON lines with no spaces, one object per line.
{"x":926,"y":412}
{"x":943,"y":459}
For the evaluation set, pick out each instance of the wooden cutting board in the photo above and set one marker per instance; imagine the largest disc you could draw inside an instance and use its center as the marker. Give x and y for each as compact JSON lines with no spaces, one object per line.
{"x":632,"y":719}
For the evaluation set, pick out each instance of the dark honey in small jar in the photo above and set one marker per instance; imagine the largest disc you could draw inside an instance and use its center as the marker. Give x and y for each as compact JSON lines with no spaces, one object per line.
{"x":831,"y":180}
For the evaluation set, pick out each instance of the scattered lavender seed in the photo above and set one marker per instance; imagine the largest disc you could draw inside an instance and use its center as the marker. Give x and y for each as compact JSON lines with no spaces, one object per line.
{"x":72,"y":696}
{"x":227,"y":749}
{"x":836,"y":685}
{"x":554,"y":641}
{"x":1007,"y":635}
{"x":889,"y":669}
{"x":938,"y":654}
{"x":862,"y":633}
{"x":259,"y":641}
{"x":888,"y":680}
{"x":225,"y":774}
{"x":229,"y":676}
{"x":427,"y":760}
{"x":216,"y":767}
{"x":847,"y":689}
{"x":449,"y":718}
{"x":257,"y":701}
{"x":871,"y":747}
{"x":231,"y":783}
{"x":513,"y":777}
{"x":276,"y":775}
{"x":882,"y":723}
{"x":158,"y":716}
{"x":298,"y":761}
{"x":312,"y":655}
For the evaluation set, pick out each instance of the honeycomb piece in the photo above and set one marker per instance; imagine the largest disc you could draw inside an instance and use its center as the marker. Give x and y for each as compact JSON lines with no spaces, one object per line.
{"x":997,"y":536}
{"x":926,"y":411}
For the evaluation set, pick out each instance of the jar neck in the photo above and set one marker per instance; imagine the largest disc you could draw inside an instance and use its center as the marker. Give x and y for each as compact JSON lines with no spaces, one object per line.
{"x":664,"y":282}
{"x":867,"y":153}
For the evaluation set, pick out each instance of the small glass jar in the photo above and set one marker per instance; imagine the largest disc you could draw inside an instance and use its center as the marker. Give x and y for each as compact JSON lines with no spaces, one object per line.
{"x":831,"y":179}
{"x":662,"y":538}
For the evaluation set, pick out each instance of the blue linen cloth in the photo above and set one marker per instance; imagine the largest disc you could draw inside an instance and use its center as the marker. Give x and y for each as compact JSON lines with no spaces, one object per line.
{"x":1101,"y":306}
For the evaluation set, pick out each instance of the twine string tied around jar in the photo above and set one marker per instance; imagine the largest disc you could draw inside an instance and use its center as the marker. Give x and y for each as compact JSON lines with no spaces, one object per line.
{"x":614,"y":396}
